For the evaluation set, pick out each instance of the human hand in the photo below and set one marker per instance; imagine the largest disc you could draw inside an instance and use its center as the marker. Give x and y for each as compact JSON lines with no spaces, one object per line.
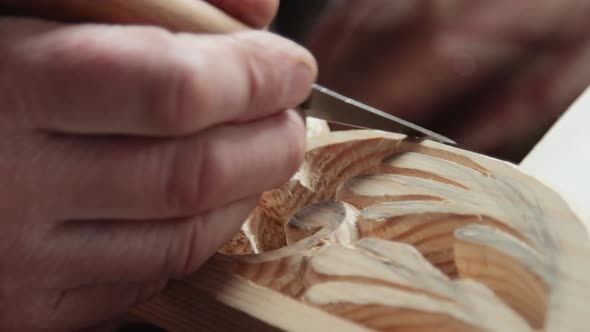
{"x":128,"y":155}
{"x":463,"y":68}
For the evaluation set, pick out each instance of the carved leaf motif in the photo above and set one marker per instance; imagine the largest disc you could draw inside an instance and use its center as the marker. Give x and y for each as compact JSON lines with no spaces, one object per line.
{"x":401,"y":235}
{"x":385,"y":233}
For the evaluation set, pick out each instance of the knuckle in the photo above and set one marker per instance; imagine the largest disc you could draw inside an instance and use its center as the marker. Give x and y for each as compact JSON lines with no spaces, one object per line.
{"x":161,"y":85}
{"x":275,"y":69}
{"x":189,"y":255}
{"x":170,"y":91}
{"x":178,"y":100}
{"x":194,"y":87}
{"x":256,"y":78}
{"x":264,"y":78}
{"x":186,"y":179}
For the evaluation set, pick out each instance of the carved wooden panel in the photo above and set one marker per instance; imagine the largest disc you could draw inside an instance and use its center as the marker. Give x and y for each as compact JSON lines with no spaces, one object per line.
{"x":384,"y":233}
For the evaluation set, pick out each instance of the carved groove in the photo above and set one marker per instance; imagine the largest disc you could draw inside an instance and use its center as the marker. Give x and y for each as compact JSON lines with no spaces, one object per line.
{"x":398,"y":235}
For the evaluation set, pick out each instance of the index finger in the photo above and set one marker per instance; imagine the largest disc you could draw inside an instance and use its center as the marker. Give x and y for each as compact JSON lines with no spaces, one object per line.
{"x":99,"y":79}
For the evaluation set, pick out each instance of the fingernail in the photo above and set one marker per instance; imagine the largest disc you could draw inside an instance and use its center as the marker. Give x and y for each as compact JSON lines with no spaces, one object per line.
{"x":302,"y":76}
{"x":304,"y":72}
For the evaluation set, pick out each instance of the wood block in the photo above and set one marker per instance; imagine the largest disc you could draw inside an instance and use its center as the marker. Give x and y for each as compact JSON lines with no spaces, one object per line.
{"x":385,"y":233}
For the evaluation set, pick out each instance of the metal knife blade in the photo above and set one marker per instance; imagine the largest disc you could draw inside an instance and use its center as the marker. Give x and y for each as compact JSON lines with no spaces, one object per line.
{"x":331,"y":106}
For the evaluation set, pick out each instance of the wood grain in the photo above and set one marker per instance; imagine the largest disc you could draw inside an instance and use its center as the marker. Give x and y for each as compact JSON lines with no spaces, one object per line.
{"x":393,"y":234}
{"x":214,"y":300}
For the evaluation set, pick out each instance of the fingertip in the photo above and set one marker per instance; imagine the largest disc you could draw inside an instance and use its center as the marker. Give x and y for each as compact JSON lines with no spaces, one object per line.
{"x":309,"y":62}
{"x":256,"y":13}
{"x":295,"y":135}
{"x":305,"y":74}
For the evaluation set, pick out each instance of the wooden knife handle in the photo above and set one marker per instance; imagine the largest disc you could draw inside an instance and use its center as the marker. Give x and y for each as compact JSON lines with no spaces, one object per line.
{"x":194,"y":16}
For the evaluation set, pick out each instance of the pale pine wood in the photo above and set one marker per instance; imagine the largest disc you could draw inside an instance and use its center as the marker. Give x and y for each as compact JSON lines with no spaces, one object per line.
{"x":316,"y":127}
{"x":214,"y":300}
{"x":394,"y":234}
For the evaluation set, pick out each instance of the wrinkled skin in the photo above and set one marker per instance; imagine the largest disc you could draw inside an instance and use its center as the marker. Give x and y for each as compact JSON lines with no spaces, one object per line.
{"x":128,"y":155}
{"x":491,"y":74}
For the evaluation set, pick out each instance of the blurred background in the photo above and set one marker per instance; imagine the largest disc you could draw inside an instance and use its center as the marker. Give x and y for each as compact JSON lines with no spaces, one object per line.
{"x":493,"y":75}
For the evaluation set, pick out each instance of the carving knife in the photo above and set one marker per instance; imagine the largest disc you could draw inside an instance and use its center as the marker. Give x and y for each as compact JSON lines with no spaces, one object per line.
{"x":198,"y":16}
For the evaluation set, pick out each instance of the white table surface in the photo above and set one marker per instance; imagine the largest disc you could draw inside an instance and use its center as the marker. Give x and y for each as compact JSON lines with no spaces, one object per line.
{"x":562,"y":158}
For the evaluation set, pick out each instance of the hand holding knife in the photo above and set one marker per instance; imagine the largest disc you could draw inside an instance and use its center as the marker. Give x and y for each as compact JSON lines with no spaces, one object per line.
{"x":200,"y":17}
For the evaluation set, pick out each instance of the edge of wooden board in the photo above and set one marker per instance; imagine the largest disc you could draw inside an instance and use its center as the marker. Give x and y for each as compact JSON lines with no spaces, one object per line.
{"x":214,"y":300}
